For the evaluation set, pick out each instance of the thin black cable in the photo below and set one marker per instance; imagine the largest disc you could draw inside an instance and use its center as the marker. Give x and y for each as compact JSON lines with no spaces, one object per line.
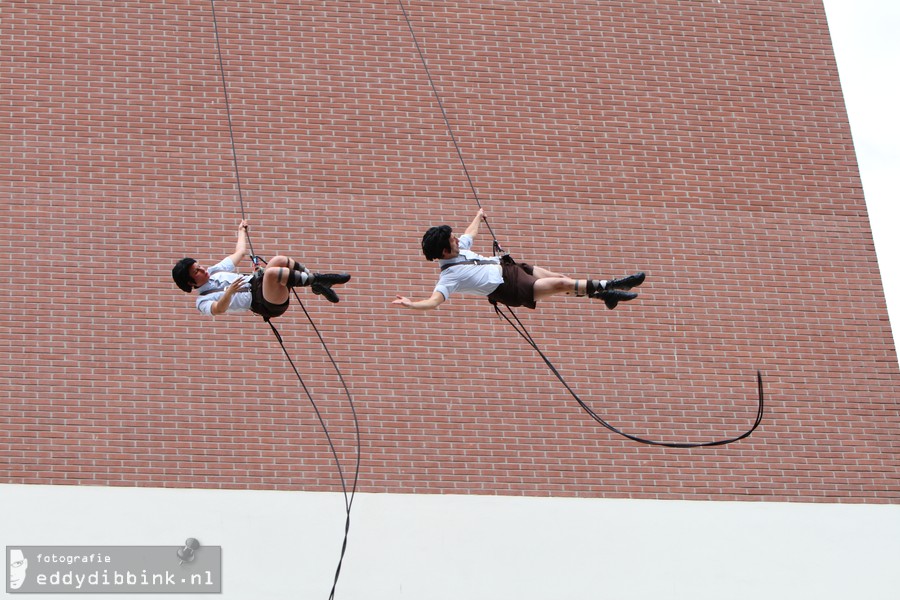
{"x":437,"y":96}
{"x":520,"y":329}
{"x":234,"y":154}
{"x":348,"y":502}
{"x":348,"y":498}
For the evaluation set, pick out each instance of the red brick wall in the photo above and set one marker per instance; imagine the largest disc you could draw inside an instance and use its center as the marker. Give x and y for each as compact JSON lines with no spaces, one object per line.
{"x":703,"y":142}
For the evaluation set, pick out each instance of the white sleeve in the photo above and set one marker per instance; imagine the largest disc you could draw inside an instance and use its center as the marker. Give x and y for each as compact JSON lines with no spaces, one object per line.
{"x":204,"y":303}
{"x":225,"y":265}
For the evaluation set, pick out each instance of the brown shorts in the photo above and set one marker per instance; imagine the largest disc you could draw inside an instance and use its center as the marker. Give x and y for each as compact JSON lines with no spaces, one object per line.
{"x":260,"y":305}
{"x":517,"y":288}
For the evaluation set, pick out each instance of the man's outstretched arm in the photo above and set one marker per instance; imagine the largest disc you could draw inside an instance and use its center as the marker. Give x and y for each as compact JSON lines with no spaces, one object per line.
{"x":240,"y":248}
{"x":436,"y":300}
{"x":472,"y":229}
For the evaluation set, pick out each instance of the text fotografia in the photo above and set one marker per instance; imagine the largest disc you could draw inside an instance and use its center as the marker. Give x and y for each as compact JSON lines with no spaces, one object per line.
{"x":114,"y":569}
{"x":76,"y":558}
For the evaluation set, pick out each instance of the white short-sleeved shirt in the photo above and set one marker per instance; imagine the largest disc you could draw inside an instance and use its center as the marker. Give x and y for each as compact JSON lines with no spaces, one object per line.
{"x":468,"y":279}
{"x":221,"y":276}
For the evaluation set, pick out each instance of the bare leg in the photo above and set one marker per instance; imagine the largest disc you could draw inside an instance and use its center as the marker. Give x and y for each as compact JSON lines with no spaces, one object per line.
{"x":541,"y":273}
{"x":612,"y":291}
{"x":281,"y":261}
{"x":550,"y":284}
{"x":275,"y":279}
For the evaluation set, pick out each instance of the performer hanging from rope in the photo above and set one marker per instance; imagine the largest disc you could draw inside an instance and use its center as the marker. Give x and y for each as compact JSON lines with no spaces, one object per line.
{"x":502,"y":279}
{"x":266,"y":292}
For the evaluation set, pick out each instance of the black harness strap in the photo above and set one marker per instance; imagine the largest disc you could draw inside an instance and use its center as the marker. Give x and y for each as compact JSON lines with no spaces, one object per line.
{"x":473,"y":261}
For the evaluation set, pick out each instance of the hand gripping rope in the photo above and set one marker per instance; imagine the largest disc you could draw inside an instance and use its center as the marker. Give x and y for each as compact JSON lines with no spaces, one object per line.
{"x":349,"y":492}
{"x":520,"y":328}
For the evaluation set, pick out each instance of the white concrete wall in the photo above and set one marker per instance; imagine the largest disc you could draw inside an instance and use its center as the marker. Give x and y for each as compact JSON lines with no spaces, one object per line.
{"x":285,"y":544}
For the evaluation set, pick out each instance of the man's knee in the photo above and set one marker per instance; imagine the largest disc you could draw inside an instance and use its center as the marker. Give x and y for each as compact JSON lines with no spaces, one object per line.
{"x":276,"y":274}
{"x":279,"y":261}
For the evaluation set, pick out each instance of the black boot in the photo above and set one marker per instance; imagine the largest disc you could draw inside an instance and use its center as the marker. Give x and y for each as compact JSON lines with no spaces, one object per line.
{"x":612,"y":297}
{"x":320,"y":289}
{"x":626,"y":283}
{"x":330,"y":279}
{"x":322,"y":282}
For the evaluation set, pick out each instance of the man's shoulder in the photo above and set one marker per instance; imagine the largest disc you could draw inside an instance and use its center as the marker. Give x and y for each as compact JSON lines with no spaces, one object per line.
{"x":224,"y":265}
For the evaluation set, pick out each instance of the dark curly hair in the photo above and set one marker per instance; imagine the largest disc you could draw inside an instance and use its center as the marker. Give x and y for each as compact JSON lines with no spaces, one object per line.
{"x":181,"y":273}
{"x":435,"y":241}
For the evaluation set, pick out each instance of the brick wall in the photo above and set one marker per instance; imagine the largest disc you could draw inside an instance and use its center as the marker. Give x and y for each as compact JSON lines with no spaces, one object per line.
{"x":703,"y":142}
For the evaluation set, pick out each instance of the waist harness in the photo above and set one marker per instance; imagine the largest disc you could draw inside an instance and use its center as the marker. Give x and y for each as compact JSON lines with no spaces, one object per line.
{"x":473,"y":261}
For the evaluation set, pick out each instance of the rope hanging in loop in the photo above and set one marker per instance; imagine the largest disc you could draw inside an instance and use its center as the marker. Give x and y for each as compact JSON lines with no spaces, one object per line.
{"x":520,"y":329}
{"x":258,"y":262}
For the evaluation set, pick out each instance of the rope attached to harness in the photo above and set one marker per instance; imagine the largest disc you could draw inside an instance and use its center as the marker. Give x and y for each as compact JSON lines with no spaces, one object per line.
{"x":496,"y":245}
{"x":520,"y":329}
{"x":349,"y":492}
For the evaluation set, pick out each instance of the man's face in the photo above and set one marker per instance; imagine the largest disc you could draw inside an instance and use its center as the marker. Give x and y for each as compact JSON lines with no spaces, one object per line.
{"x":199,"y":274}
{"x":453,"y":252}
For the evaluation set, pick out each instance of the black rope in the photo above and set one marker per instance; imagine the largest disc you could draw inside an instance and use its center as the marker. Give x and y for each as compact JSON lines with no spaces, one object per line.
{"x":351,"y":495}
{"x":234,"y":154}
{"x":348,"y":497}
{"x":520,"y":329}
{"x":437,"y":96}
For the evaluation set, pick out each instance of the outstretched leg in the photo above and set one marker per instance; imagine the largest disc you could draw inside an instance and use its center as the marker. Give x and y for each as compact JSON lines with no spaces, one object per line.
{"x":541,"y":273}
{"x":610,"y":291}
{"x":283,"y":273}
{"x":552,"y":285}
